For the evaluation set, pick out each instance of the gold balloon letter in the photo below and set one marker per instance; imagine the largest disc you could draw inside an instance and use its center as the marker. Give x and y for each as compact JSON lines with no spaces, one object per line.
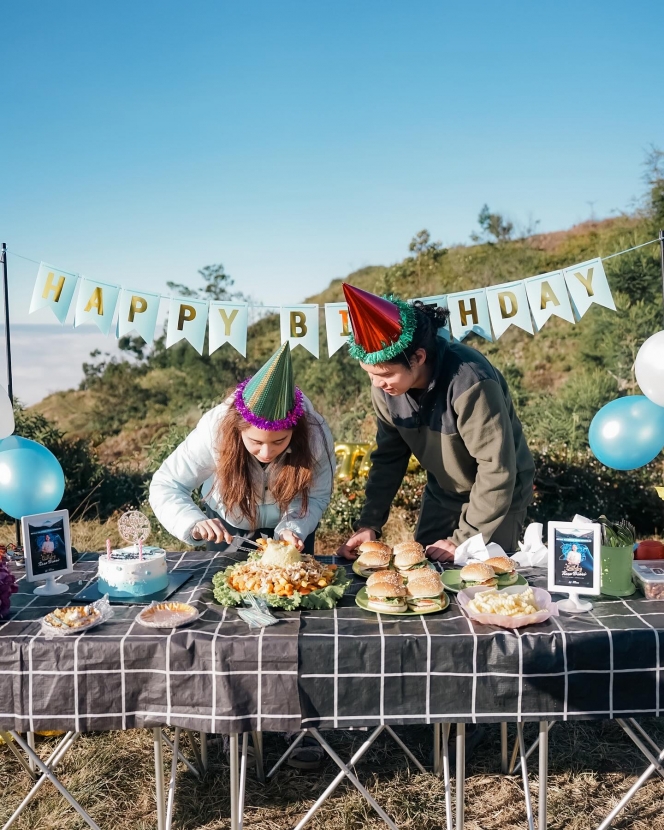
{"x":465,"y":313}
{"x":137,"y":306}
{"x":298,"y":324}
{"x":586,"y":282}
{"x":511,"y":296}
{"x":228,"y":320}
{"x":51,"y":286}
{"x":548,"y":296}
{"x":96,"y":301}
{"x":345,"y":331}
{"x":187,"y":313}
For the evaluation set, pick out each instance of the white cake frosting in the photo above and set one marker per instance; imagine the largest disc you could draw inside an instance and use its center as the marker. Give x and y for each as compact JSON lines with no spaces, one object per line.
{"x":125,"y":575}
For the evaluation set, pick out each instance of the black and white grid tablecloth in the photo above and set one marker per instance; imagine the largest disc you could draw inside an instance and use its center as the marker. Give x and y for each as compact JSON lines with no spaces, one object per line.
{"x":338,"y":668}
{"x":216,"y":676}
{"x":358,"y":669}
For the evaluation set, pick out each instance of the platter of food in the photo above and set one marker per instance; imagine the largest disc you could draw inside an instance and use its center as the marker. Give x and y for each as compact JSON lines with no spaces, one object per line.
{"x":387,"y":592}
{"x":405,"y":558}
{"x":512,"y":607}
{"x":167,"y":615}
{"x":498,"y":572}
{"x":283,"y":577}
{"x":75,"y":619}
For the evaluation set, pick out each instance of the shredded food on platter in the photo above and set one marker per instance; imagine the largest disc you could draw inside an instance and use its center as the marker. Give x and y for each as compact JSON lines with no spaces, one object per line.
{"x":304,"y":577}
{"x":500,"y":602}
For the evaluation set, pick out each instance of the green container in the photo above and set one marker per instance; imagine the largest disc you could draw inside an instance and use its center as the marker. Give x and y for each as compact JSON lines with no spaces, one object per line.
{"x":617,"y":571}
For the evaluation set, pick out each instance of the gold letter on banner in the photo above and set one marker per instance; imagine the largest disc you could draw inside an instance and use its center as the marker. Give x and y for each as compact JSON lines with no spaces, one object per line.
{"x":96,"y":301}
{"x":511,"y":296}
{"x":51,"y":286}
{"x":228,"y":320}
{"x":345,"y":331}
{"x":466,"y":313}
{"x":298,"y":324}
{"x":586,"y":282}
{"x":187,"y":314}
{"x":136,"y":306}
{"x":548,"y":296}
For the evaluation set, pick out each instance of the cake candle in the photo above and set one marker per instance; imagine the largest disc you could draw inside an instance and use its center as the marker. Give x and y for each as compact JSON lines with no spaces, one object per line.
{"x":140,"y":550}
{"x":108,"y":548}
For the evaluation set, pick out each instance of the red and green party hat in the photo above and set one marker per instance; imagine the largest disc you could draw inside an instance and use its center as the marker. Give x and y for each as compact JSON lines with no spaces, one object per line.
{"x":270,"y":400}
{"x":382,"y":326}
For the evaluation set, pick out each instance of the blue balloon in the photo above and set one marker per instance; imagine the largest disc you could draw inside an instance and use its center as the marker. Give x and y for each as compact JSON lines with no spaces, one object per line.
{"x":31,"y":478}
{"x":627,"y":433}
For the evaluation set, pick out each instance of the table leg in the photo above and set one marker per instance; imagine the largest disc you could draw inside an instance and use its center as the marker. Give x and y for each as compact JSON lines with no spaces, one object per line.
{"x":404,"y":748}
{"x":636,"y":786}
{"x":532,"y":747}
{"x":204,"y":750}
{"x":52,"y":778}
{"x":243,"y":779}
{"x":644,"y":749}
{"x":357,"y":756}
{"x":192,"y":769}
{"x":460,"y":774}
{"x":446,"y":775}
{"x":524,"y":776}
{"x":197,"y":757}
{"x":353,"y":778}
{"x":257,"y":739}
{"x":159,"y":777}
{"x":543,"y":773}
{"x":234,"y":781}
{"x":286,"y":754}
{"x":437,"y":756}
{"x":58,"y":754}
{"x":170,"y":803}
{"x":6,"y":737}
{"x":31,"y":744}
{"x":504,"y":749}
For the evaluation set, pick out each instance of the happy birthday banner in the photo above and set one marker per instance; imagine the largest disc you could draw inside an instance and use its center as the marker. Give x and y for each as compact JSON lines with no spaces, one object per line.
{"x":488,"y":312}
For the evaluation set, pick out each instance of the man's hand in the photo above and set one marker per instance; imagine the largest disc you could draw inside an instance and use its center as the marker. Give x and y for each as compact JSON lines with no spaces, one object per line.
{"x":441,"y":551}
{"x":292,"y":539}
{"x":364,"y":534}
{"x":211,"y":530}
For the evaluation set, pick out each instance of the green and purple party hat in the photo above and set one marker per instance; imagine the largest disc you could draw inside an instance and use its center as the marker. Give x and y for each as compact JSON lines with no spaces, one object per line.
{"x":270,"y":400}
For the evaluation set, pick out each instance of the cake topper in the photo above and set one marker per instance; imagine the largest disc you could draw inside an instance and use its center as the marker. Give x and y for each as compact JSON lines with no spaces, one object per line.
{"x":134,"y":527}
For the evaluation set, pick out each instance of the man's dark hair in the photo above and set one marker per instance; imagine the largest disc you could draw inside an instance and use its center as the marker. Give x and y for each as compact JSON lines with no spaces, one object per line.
{"x":429,"y":318}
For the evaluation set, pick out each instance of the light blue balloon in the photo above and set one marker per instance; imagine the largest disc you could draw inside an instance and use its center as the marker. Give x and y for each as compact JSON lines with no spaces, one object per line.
{"x":31,"y":478}
{"x":627,"y":433}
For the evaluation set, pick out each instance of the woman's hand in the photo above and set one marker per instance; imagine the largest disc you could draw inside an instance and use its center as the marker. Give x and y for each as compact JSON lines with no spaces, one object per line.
{"x":441,"y":551}
{"x":364,"y":534}
{"x":292,"y":539}
{"x":211,"y":530}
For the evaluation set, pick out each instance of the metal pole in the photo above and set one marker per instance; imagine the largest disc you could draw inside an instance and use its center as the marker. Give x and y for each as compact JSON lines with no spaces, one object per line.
{"x":661,"y":255}
{"x":460,"y":773}
{"x":159,"y":777}
{"x":234,"y":781}
{"x":504,"y":749}
{"x":543,"y":773}
{"x":8,"y":353}
{"x":524,"y":776}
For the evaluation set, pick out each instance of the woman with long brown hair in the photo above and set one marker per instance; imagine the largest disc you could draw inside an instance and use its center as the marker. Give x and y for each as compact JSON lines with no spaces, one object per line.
{"x":264,"y":459}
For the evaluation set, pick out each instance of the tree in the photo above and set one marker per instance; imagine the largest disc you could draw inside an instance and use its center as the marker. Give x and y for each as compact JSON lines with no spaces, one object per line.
{"x":427,"y":253}
{"x":654,"y":178}
{"x":494,"y":225}
{"x":217,"y":286}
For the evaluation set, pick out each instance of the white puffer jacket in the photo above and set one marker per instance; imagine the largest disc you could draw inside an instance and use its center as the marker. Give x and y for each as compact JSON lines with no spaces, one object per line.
{"x":193,"y":464}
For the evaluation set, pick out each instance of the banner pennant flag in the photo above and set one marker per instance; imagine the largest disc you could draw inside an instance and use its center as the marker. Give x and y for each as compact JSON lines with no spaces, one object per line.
{"x":96,"y":304}
{"x":228,"y":324}
{"x":469,"y":312}
{"x":53,"y":289}
{"x":337,"y":326}
{"x":137,"y":311}
{"x":299,"y":325}
{"x":508,"y":306}
{"x":187,"y":319}
{"x":547,"y":295}
{"x":587,"y":284}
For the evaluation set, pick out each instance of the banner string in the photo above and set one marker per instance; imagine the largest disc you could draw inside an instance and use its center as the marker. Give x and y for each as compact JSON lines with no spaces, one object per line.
{"x":261,"y":305}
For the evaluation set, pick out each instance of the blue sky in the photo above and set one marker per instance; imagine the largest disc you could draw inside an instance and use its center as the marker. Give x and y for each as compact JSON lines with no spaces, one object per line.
{"x":297,"y":141}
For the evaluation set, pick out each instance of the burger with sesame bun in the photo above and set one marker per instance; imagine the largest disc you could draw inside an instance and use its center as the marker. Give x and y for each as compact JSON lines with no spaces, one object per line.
{"x":424,"y":591}
{"x":402,"y":546}
{"x":386,"y":596}
{"x":385,"y":576}
{"x":374,"y":556}
{"x":478,"y":573}
{"x":504,"y":570}
{"x":409,"y":558}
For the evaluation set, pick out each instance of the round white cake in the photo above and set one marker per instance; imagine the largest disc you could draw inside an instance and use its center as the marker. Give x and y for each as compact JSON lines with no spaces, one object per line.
{"x":125,"y":575}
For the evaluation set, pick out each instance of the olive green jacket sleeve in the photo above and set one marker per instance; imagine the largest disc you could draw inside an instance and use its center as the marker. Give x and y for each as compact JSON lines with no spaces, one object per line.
{"x":389,"y":462}
{"x":486,"y":429}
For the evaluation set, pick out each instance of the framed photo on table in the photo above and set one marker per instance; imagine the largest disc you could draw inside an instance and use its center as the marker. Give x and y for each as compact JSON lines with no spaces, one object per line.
{"x":574,"y":562}
{"x":47,"y":545}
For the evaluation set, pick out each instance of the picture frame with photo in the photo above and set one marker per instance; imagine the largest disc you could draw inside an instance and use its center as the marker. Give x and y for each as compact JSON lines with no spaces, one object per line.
{"x":574,"y":562}
{"x":47,"y":546}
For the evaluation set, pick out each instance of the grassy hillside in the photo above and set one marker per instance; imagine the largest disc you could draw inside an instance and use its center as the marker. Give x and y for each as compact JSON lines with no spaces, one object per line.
{"x":132,"y":412}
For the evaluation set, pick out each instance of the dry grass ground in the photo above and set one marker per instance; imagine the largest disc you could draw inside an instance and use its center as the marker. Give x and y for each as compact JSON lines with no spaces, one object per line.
{"x":591,"y":766}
